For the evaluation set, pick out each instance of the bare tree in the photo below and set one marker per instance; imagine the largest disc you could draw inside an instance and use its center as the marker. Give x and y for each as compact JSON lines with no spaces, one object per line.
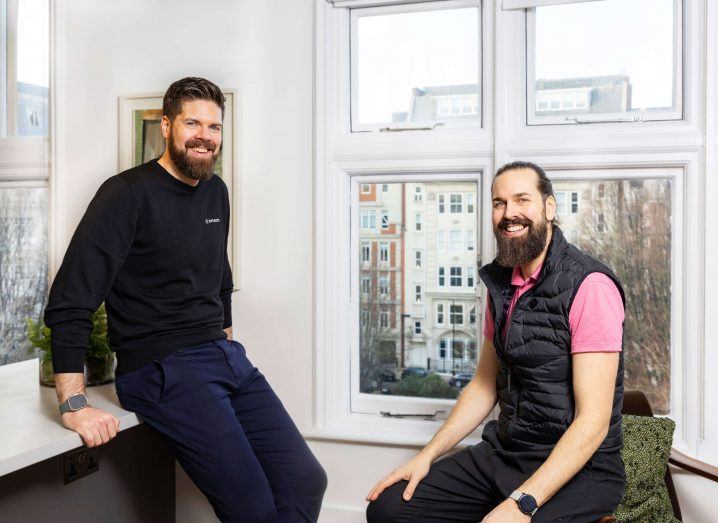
{"x":629,"y":229}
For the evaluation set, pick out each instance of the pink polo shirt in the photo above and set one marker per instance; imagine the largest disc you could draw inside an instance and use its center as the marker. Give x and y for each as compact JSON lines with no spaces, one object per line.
{"x":595,"y":319}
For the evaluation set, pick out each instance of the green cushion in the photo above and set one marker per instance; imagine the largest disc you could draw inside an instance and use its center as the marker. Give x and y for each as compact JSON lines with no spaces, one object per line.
{"x":647,"y":445}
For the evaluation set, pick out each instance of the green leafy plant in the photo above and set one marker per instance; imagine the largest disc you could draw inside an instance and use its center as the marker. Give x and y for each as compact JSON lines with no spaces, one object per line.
{"x":98,"y":347}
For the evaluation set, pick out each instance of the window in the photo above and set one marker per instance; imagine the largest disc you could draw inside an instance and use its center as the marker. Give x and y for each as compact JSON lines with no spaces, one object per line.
{"x":384,"y":252}
{"x":636,"y":242}
{"x":441,"y":276}
{"x":574,"y":202}
{"x":24,"y":176}
{"x":456,"y":314}
{"x":469,"y":276}
{"x":455,"y":203}
{"x":470,"y":202}
{"x":472,"y":317}
{"x":365,"y":252}
{"x":364,"y":318}
{"x":414,"y":67}
{"x":383,"y":286}
{"x":439,"y":313}
{"x":455,"y":243}
{"x":417,"y":221}
{"x":441,"y":240}
{"x":441,"y":205}
{"x":368,"y":219}
{"x":385,"y":188}
{"x":384,"y":219}
{"x":417,"y":259}
{"x":417,"y":293}
{"x":455,"y":277}
{"x":470,"y":240}
{"x":616,"y":70}
{"x":442,"y":348}
{"x":366,"y":188}
{"x":560,"y":202}
{"x":365,"y":284}
{"x":384,"y":320}
{"x":417,"y":327}
{"x":418,"y":194}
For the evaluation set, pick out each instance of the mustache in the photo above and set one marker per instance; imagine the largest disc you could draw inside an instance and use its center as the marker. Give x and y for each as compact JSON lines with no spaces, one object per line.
{"x":505,"y":222}
{"x":197,"y":142}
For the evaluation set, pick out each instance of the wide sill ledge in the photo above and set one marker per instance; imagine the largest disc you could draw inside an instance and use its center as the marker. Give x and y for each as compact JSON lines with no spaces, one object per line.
{"x":32,"y":430}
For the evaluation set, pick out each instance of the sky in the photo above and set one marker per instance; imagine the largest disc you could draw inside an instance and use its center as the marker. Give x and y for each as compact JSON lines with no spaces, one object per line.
{"x":33,"y":42}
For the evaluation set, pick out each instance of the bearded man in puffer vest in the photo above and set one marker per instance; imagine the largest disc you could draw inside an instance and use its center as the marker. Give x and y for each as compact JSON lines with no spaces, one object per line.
{"x":552,"y":359}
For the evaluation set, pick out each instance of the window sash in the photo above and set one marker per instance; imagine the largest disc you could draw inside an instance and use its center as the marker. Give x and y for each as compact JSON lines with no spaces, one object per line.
{"x":510,"y":5}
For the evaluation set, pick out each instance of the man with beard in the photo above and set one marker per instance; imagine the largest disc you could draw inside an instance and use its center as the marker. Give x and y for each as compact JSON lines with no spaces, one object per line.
{"x":153,"y":245}
{"x":552,"y":359}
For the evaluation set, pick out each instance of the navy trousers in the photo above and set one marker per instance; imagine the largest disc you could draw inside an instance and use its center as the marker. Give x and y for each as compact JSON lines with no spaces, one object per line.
{"x":229,"y":432}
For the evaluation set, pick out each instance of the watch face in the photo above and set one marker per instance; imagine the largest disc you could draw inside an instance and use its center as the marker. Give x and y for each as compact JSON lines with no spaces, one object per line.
{"x":77,"y":402}
{"x":527,"y":503}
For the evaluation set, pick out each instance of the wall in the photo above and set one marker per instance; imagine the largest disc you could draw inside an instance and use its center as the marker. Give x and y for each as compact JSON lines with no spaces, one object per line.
{"x":264,"y":49}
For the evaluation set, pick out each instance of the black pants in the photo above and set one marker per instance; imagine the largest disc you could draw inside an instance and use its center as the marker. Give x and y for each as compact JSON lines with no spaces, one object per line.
{"x":230,"y":433}
{"x":467,"y":485}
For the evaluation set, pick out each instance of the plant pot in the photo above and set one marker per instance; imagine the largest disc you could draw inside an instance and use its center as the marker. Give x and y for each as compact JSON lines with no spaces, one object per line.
{"x":98,"y":371}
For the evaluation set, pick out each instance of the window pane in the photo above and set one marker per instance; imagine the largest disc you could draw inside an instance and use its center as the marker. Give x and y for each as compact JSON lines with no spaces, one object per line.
{"x":629,"y":229}
{"x":436,"y":292}
{"x":417,"y":67}
{"x":28,"y":99}
{"x":594,"y":58}
{"x":23,"y":259}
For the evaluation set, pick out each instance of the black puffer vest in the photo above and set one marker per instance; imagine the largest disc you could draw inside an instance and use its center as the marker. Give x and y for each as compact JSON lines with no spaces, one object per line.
{"x":534,"y":385}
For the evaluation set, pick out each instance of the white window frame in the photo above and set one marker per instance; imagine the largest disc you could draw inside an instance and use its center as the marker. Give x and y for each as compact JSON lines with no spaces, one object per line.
{"x":459,"y":277}
{"x":418,"y":293}
{"x":366,"y":285}
{"x":440,"y":311}
{"x":417,"y":327}
{"x":418,"y":258}
{"x":690,"y":144}
{"x":418,"y":221}
{"x":441,"y":276}
{"x":470,"y":240}
{"x":370,"y":215}
{"x":384,"y":253}
{"x":355,"y":14}
{"x":366,"y":248}
{"x":459,"y":203}
{"x":673,"y":115}
{"x":458,"y":245}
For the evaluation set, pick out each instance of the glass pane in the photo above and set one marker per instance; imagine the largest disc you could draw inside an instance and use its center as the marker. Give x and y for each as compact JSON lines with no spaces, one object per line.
{"x":397,"y":293}
{"x":33,"y":69}
{"x":417,"y":67}
{"x":604,"y":58}
{"x":23,"y":259}
{"x":627,"y":225}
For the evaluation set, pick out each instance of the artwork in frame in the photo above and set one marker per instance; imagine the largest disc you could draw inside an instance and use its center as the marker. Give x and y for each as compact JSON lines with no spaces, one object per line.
{"x":140,"y":140}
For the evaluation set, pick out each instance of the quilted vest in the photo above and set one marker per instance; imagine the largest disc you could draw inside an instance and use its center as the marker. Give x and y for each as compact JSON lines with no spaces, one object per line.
{"x":534,"y":384}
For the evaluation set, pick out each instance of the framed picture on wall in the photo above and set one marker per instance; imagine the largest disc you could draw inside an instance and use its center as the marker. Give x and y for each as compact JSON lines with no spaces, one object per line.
{"x":140,"y":140}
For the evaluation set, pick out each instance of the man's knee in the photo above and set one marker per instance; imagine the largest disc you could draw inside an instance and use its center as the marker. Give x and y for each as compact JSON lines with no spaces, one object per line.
{"x":388,"y":506}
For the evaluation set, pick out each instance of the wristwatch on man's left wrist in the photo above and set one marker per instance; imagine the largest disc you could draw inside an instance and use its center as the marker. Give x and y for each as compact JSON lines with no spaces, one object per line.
{"x":526,"y":502}
{"x":73,"y":403}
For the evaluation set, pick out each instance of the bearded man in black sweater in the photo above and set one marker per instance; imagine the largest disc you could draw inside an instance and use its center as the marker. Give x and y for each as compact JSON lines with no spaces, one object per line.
{"x":153,"y":246}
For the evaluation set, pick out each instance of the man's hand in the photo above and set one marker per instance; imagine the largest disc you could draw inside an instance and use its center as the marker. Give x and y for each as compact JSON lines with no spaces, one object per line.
{"x":95,"y":426}
{"x":506,"y":512}
{"x":413,"y":472}
{"x":228,"y":330}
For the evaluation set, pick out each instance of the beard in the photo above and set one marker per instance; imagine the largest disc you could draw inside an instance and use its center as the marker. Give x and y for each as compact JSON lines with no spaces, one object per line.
{"x":520,"y":250}
{"x":195,"y":168}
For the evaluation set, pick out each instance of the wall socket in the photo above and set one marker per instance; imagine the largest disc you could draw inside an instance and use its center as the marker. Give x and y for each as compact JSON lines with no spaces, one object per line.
{"x":79,"y":463}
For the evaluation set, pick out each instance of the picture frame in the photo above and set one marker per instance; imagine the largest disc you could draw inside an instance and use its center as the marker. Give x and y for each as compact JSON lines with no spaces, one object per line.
{"x":140,"y":140}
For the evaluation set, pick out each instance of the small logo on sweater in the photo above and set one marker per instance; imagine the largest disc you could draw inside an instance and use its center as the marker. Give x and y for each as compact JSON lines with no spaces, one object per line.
{"x":211,"y":220}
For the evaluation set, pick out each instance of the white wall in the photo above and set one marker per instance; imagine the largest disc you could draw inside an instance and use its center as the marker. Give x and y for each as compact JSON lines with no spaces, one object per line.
{"x":264,"y":49}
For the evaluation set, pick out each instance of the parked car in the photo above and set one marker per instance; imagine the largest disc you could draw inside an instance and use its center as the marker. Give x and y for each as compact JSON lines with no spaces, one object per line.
{"x":461,"y":379}
{"x":414,"y":371}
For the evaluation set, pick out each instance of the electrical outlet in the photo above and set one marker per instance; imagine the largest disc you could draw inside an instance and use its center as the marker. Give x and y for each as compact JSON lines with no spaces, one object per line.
{"x":79,"y":463}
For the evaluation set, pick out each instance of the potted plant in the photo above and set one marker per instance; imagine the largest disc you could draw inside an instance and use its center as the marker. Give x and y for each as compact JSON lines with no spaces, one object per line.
{"x":99,"y":359}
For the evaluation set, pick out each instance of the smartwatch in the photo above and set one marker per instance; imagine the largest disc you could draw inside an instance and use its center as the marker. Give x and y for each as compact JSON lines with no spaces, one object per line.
{"x":74,"y":402}
{"x":526,"y":502}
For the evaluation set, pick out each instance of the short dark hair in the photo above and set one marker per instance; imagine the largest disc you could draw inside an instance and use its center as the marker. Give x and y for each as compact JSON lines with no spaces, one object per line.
{"x":544,"y":184}
{"x":190,"y":88}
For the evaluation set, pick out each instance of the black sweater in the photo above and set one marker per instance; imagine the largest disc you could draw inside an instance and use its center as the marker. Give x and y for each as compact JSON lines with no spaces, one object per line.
{"x":155,"y":250}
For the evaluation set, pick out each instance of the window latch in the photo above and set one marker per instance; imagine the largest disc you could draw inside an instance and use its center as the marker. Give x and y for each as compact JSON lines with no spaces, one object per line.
{"x":401,"y":129}
{"x":426,"y":416}
{"x":633,"y":119}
